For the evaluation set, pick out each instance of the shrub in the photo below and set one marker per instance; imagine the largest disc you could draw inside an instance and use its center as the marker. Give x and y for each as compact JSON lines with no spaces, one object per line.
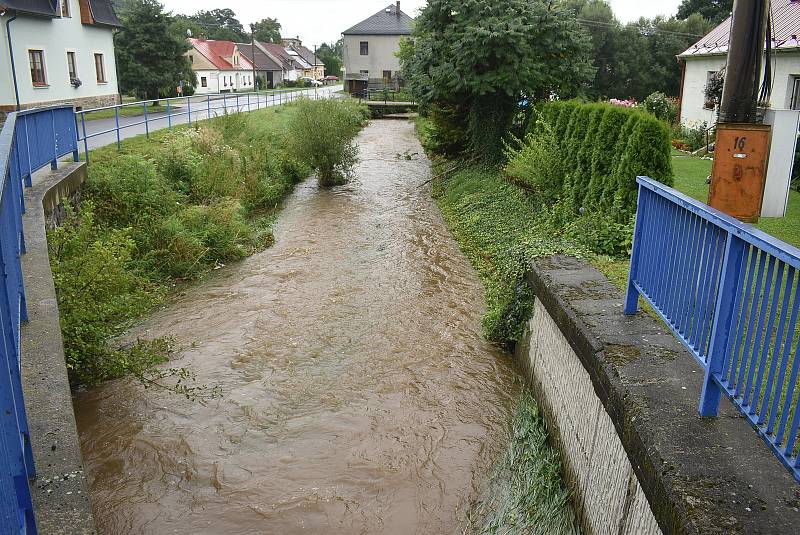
{"x":444,"y":132}
{"x":537,"y":164}
{"x":612,"y":183}
{"x":647,"y":154}
{"x":564,"y":119}
{"x":98,"y":293}
{"x":129,"y":192}
{"x":580,"y":150}
{"x":601,"y":233}
{"x":608,"y":133}
{"x":661,"y":106}
{"x":321,"y":134}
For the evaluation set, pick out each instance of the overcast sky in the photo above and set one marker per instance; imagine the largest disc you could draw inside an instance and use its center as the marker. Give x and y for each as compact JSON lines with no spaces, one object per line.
{"x":318,"y":21}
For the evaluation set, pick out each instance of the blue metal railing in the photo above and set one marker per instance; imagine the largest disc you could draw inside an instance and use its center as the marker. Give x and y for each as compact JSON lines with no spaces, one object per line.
{"x":731,"y":294}
{"x":181,"y":110}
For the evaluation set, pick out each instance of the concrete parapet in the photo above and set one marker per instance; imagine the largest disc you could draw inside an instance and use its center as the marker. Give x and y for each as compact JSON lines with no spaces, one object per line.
{"x":60,"y":492}
{"x":620,"y":395}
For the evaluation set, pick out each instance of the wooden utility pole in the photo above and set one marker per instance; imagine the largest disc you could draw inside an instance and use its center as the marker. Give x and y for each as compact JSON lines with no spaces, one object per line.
{"x":742,"y":146}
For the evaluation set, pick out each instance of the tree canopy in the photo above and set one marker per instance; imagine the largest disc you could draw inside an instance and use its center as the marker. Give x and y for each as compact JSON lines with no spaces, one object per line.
{"x":714,"y":11}
{"x":220,"y":24}
{"x":267,"y":30}
{"x":331,"y":56}
{"x":488,"y":55}
{"x":150,"y":56}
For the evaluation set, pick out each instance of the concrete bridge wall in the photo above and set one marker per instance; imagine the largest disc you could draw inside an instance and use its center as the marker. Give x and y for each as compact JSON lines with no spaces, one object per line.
{"x":620,"y":395}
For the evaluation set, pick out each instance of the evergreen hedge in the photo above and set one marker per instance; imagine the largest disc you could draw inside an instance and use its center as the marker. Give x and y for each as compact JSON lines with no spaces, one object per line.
{"x":605,"y":147}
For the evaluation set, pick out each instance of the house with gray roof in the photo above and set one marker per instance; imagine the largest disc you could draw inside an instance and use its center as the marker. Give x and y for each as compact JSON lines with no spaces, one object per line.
{"x":268,"y":71}
{"x":370,"y":50}
{"x":709,"y":55}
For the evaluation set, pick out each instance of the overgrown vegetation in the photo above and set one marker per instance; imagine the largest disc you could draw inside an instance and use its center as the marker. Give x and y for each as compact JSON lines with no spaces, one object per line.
{"x":526,"y":493}
{"x":167,"y":210}
{"x":323,"y":134}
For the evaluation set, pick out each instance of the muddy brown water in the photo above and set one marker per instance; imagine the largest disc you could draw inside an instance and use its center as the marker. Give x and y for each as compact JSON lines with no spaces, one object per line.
{"x":359,"y":394}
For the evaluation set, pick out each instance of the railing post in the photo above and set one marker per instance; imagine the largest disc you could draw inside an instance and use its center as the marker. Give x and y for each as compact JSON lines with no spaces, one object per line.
{"x":116,"y":117}
{"x":169,"y":116}
{"x":724,"y":316}
{"x":189,"y":109}
{"x":86,"y":141}
{"x":632,"y":295}
{"x":54,"y":161}
{"x":208,"y":106}
{"x":146,"y":126}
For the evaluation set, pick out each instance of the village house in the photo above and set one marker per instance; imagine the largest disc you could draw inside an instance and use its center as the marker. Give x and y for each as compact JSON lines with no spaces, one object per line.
{"x":370,"y":50}
{"x":316,"y":68}
{"x":292,"y":66}
{"x":267,"y":69}
{"x":57,"y":52}
{"x":220,"y":66}
{"x":709,"y":55}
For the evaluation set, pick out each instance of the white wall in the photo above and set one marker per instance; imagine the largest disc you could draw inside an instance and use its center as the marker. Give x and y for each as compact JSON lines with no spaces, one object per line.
{"x":237,"y":80}
{"x":697,"y":69}
{"x":786,"y":66}
{"x":56,"y":37}
{"x":382,"y":50}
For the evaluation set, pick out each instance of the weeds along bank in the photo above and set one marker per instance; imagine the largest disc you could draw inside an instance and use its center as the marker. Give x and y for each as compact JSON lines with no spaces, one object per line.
{"x":567,"y":186}
{"x":170,"y":209}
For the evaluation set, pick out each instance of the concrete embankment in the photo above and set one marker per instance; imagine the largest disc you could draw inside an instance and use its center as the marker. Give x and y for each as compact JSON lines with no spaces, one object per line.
{"x":60,"y":495}
{"x":620,"y":394}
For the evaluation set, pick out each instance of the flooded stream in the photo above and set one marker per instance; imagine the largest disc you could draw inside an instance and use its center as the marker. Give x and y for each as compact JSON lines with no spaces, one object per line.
{"x":358,"y":393}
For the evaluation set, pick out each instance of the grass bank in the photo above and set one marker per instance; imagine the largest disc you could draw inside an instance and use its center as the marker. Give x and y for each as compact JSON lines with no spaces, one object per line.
{"x":164,"y":211}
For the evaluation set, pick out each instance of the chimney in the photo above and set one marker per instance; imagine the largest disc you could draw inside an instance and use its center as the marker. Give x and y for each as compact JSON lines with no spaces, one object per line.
{"x":397,"y":11}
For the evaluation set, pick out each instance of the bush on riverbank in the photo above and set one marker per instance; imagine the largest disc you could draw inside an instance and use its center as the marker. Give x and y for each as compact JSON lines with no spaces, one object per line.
{"x":322,"y":137}
{"x":166,"y":210}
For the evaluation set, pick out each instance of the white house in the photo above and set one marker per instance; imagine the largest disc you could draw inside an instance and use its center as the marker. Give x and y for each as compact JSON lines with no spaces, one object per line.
{"x":709,"y":55}
{"x":220,"y":66}
{"x":370,"y":49}
{"x":62,"y":51}
{"x":316,"y":68}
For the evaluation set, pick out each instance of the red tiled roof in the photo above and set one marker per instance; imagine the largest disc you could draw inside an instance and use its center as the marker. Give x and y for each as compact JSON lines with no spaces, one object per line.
{"x":785,"y":24}
{"x":217,"y":53}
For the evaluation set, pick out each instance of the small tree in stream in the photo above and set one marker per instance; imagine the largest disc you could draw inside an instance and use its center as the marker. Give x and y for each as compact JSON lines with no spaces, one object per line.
{"x":322,"y":133}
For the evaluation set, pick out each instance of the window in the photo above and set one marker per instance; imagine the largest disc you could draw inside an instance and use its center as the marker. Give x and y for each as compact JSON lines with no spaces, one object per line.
{"x":795,"y":93}
{"x":709,"y":102}
{"x":65,"y":8}
{"x":364,"y":48}
{"x":225,"y":80}
{"x":99,"y":68}
{"x":203,"y":81}
{"x":387,"y":75}
{"x":191,"y":59}
{"x":38,"y":75}
{"x":73,"y":70}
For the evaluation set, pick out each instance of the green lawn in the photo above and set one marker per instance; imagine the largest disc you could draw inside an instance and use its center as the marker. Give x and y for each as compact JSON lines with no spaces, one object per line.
{"x":690,"y":178}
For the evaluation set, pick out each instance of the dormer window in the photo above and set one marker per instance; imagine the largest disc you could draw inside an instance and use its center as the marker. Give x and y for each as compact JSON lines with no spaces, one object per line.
{"x":65,"y":8}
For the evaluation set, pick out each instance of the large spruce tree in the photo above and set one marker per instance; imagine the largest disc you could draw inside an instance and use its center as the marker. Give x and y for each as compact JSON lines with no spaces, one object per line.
{"x":149,"y":54}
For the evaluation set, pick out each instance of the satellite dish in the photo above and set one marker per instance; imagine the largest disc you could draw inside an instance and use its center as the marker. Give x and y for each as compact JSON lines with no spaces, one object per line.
{"x":188,"y":32}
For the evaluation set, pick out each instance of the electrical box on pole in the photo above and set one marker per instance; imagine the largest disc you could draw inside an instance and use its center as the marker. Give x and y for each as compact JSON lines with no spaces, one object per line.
{"x":743,"y":142}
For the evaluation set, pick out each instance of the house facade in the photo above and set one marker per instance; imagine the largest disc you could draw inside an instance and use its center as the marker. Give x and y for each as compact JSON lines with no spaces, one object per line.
{"x":220,"y":66}
{"x":62,"y":52}
{"x":316,"y":68}
{"x":291,"y":68}
{"x":709,"y":55}
{"x":370,"y":50}
{"x":267,"y":69}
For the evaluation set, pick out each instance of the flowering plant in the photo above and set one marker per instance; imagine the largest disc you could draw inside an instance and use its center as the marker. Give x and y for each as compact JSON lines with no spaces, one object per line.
{"x":630,"y":103}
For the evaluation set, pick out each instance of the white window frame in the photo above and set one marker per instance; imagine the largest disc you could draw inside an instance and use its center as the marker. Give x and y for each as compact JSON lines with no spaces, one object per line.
{"x":794,"y":103}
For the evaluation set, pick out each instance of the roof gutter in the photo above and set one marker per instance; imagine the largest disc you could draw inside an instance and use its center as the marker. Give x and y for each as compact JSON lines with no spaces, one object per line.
{"x":11,"y":56}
